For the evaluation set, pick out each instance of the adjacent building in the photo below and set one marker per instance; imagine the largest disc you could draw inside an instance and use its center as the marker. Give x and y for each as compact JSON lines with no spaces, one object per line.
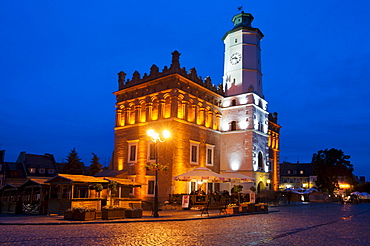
{"x":296,"y":175}
{"x":219,"y":127}
{"x":28,"y":166}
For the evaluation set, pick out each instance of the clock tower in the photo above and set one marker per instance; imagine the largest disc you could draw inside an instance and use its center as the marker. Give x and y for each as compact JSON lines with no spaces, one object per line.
{"x":242,"y":68}
{"x":244,"y":140}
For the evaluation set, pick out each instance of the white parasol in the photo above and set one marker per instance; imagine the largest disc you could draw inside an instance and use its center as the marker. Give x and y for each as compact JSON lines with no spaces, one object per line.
{"x":312,"y":190}
{"x":202,"y":174}
{"x":356,"y":193}
{"x":236,"y":177}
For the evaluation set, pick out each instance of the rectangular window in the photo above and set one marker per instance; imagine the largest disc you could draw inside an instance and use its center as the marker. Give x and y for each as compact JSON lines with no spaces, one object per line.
{"x":41,"y":170}
{"x":301,"y":172}
{"x":151,"y":152}
{"x":151,"y":187}
{"x":132,"y":151}
{"x":210,"y":154}
{"x":32,"y":170}
{"x":194,"y":152}
{"x":51,"y":171}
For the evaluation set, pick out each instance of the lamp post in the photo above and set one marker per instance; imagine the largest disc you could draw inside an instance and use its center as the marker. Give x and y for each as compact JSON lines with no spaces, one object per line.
{"x":156,"y":138}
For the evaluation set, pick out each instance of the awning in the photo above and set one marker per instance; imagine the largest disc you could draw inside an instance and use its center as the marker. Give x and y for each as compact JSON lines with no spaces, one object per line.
{"x":74,"y":178}
{"x":127,"y":182}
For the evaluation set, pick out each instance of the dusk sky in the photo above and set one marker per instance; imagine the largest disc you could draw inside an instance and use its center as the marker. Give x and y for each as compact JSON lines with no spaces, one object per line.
{"x":59,"y":63}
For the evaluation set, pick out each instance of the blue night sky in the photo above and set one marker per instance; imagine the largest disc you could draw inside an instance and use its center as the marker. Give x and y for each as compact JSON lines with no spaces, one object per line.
{"x":59,"y":63}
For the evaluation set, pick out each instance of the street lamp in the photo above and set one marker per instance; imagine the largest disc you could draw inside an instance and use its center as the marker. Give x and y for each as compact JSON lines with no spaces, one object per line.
{"x":268,"y":181}
{"x":156,"y":138}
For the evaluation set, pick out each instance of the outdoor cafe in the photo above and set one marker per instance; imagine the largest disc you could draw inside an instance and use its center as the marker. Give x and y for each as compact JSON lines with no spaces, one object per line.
{"x":213,"y":189}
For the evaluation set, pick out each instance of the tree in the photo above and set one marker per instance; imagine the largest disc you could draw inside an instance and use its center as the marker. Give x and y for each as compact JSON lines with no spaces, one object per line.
{"x":95,"y":166}
{"x":329,"y":166}
{"x":74,"y":164}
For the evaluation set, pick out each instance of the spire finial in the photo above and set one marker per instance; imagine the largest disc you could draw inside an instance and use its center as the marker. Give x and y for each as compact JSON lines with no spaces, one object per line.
{"x":240,"y":8}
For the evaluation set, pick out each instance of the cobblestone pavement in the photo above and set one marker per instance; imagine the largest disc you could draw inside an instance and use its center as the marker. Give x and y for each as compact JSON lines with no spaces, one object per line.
{"x":317,"y":224}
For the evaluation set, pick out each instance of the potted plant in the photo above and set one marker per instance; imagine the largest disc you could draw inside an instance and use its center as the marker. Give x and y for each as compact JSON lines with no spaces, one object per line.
{"x":232,"y":209}
{"x":113,"y":212}
{"x":134,"y":212}
{"x":264,"y":207}
{"x":244,"y":207}
{"x":98,"y":188}
{"x":83,"y":213}
{"x":258,"y":207}
{"x":251,"y":207}
{"x":68,"y":214}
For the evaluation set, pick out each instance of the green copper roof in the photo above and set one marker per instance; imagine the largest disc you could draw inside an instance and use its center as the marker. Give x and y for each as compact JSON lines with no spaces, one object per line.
{"x":243,"y":19}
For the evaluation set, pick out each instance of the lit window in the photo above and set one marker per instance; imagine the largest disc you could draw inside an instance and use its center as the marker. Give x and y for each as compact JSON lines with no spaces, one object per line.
{"x":41,"y":170}
{"x":194,"y":152}
{"x":132,"y":151}
{"x":32,"y":170}
{"x":210,"y":154}
{"x":301,"y":172}
{"x":288,"y":172}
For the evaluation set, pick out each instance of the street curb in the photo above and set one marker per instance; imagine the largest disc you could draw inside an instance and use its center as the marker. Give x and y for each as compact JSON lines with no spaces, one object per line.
{"x":164,"y":219}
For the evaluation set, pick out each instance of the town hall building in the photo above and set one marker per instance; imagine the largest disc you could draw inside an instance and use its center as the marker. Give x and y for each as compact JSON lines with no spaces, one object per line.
{"x":223,"y":127}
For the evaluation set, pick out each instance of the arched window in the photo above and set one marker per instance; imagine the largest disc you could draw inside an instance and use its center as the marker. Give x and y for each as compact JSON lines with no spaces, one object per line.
{"x":233,"y":102}
{"x":260,"y":161}
{"x":233,"y":125}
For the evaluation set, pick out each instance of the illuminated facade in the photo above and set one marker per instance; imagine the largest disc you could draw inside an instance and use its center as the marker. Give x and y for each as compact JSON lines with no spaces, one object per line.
{"x":222,"y":128}
{"x":244,"y":113}
{"x":274,"y":150}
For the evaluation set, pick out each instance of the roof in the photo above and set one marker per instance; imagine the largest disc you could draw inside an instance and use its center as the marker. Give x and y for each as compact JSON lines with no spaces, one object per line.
{"x":74,"y":178}
{"x":39,"y":161}
{"x":127,"y":182}
{"x":297,"y":167}
{"x":110,"y":173}
{"x":11,"y":185}
{"x":14,"y":166}
{"x":36,"y":181}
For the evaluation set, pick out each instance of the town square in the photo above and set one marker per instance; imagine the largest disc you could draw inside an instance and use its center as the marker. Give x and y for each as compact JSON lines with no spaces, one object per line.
{"x":164,"y":124}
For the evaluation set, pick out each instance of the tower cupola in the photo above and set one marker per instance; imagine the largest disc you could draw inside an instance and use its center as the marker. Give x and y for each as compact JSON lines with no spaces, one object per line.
{"x":243,"y":20}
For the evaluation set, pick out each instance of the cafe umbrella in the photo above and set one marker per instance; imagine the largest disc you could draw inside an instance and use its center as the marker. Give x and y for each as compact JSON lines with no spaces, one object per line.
{"x":236,"y":177}
{"x":202,"y":174}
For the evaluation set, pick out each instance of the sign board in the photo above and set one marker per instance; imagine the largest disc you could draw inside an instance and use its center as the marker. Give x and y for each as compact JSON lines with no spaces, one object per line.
{"x":252,"y":197}
{"x":185,"y":201}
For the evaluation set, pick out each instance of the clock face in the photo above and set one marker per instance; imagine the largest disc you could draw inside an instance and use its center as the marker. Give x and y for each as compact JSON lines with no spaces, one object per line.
{"x":235,"y":58}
